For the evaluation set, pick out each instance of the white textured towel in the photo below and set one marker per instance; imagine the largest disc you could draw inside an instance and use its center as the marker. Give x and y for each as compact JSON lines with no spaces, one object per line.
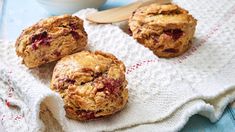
{"x":164,"y":93}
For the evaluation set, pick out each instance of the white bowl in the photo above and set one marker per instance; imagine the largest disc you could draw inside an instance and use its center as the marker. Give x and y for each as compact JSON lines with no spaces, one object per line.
{"x":58,"y":7}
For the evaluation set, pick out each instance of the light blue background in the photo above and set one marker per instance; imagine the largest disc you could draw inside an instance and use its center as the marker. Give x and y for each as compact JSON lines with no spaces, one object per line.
{"x":18,"y":14}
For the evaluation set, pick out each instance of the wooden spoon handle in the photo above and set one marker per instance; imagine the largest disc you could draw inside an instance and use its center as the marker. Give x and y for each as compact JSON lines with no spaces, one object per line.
{"x":121,"y":13}
{"x":148,"y":2}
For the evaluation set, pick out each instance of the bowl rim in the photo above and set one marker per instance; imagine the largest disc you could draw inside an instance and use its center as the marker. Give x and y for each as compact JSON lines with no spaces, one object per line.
{"x":70,"y":0}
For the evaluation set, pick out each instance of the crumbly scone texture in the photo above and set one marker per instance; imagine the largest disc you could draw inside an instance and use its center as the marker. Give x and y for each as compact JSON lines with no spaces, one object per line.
{"x":51,"y":39}
{"x":92,"y":84}
{"x":165,"y":29}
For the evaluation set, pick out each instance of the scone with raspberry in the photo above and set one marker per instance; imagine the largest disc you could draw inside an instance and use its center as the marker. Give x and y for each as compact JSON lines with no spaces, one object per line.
{"x":51,"y":39}
{"x":92,"y":84}
{"x":165,"y":29}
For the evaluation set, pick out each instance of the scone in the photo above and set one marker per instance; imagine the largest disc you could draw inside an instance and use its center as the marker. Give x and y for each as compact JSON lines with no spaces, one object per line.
{"x":164,"y":29}
{"x":92,"y":84}
{"x":51,"y":39}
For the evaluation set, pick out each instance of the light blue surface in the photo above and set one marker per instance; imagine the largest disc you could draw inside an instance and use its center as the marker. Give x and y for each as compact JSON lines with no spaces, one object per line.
{"x":19,"y":14}
{"x":201,"y":124}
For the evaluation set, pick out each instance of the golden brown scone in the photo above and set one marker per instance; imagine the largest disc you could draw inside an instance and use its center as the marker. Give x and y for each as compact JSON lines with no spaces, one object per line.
{"x":92,"y":84}
{"x":51,"y":39}
{"x":165,"y":29}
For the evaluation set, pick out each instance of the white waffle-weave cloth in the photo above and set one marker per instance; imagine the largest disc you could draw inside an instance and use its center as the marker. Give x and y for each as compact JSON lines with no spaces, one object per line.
{"x":164,"y":93}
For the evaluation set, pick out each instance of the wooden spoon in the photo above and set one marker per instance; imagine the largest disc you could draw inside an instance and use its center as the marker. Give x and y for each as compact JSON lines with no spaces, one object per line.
{"x":121,"y":13}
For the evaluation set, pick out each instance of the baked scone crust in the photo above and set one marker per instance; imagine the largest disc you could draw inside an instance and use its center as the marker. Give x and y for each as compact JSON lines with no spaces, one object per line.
{"x":51,"y":39}
{"x":164,"y":29}
{"x":92,"y":84}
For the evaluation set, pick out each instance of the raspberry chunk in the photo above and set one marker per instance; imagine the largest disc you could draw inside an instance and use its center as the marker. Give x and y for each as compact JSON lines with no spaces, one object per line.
{"x":175,"y":33}
{"x":111,"y":85}
{"x":75,"y":35}
{"x":40,"y":39}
